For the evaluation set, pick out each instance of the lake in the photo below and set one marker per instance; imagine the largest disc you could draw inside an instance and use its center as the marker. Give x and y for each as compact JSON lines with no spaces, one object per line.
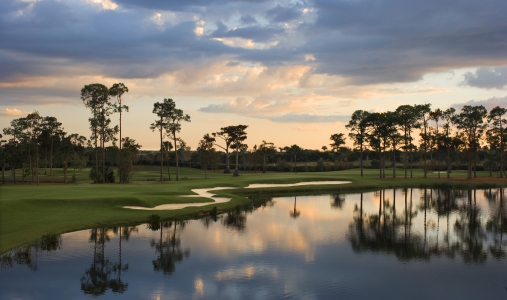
{"x":388,"y":244}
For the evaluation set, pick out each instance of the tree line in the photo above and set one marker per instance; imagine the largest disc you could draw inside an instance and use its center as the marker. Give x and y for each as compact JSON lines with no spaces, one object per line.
{"x":444,"y":136}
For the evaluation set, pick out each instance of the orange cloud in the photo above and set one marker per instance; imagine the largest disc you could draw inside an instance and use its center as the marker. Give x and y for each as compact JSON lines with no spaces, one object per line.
{"x":12,"y":112}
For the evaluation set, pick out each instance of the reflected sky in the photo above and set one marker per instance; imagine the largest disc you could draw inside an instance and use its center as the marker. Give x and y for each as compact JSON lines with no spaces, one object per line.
{"x":422,"y":244}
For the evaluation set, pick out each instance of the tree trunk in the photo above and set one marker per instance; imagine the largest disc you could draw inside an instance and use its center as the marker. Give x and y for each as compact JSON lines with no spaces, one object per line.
{"x":227,"y":163}
{"x":295,"y":164}
{"x":51,"y":159}
{"x":3,"y":172}
{"x":394,"y":160}
{"x":96,"y":155}
{"x":176,"y":156}
{"x":65,"y":171}
{"x":37,"y":162}
{"x":168,"y":169}
{"x":103,"y":159}
{"x":161,"y":154}
{"x":236,"y":169}
{"x":361,"y":160}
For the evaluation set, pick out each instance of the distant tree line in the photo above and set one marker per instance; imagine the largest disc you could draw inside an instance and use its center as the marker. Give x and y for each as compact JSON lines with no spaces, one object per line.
{"x":473,"y":139}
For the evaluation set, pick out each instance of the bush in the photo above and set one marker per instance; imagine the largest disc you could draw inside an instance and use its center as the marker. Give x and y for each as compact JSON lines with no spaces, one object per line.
{"x":375,"y":164}
{"x":109,"y":175}
{"x":320,"y":165}
{"x":283,"y":165}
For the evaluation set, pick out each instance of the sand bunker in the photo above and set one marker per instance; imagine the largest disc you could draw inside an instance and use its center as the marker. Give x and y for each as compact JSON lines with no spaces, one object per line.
{"x":205,"y":193}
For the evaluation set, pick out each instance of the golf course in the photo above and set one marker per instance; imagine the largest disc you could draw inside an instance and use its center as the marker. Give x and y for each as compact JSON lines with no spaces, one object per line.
{"x":30,"y":211}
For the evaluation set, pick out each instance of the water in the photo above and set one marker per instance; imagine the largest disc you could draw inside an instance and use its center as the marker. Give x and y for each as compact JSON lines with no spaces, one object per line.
{"x":417,"y":244}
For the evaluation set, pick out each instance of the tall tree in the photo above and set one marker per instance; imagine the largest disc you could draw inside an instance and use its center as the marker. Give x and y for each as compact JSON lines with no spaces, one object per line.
{"x":357,"y":126}
{"x":94,"y":97}
{"x":227,"y":135}
{"x":174,"y":119}
{"x":162,"y":110}
{"x":447,"y":140}
{"x":266,"y":149}
{"x":471,"y":123}
{"x":436,"y":115}
{"x":54,"y":130}
{"x":167,"y":146}
{"x":3,"y":156}
{"x":496,"y":133}
{"x":393,"y":135}
{"x":294,"y":150}
{"x":375,"y":123}
{"x":128,"y":154}
{"x":238,"y":137}
{"x":117,"y":91}
{"x":206,"y":153}
{"x":407,"y":122}
{"x":423,"y":112}
{"x":16,"y":133}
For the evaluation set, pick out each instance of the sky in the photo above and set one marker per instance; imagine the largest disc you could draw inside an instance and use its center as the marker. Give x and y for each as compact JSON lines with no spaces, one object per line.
{"x":293,"y":71}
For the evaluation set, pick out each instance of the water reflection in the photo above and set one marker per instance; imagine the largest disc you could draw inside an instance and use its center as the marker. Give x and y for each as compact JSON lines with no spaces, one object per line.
{"x":168,"y":247}
{"x":326,"y":246}
{"x":29,"y":255}
{"x":386,"y":232}
{"x":103,"y":274}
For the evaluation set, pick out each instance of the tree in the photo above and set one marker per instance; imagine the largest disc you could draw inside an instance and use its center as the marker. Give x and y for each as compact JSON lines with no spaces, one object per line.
{"x":238,"y":137}
{"x":375,"y":123}
{"x":117,"y":91}
{"x":167,"y":147}
{"x":227,"y":135}
{"x":266,"y":149}
{"x":448,"y":142}
{"x":357,"y":126}
{"x":94,"y":96}
{"x":162,"y":110}
{"x":33,"y":125}
{"x":338,"y":140}
{"x":175,"y":117}
{"x":471,"y":123}
{"x":206,"y":153}
{"x":3,"y":157}
{"x":423,"y":112}
{"x":128,"y":154}
{"x":54,"y":129}
{"x":436,"y":116}
{"x":496,"y":134}
{"x":294,"y":150}
{"x":407,"y":122}
{"x":393,"y":135}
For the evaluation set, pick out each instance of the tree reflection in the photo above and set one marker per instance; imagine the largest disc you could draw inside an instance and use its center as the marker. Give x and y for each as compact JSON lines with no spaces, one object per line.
{"x":168,"y":247}
{"x":98,"y":278}
{"x":386,"y":231}
{"x":497,"y":223}
{"x":337,"y":201}
{"x":295,"y":213}
{"x":29,"y":254}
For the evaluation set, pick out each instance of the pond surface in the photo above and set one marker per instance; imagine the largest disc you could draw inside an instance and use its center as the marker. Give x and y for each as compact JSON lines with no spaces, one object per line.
{"x":414,"y":244}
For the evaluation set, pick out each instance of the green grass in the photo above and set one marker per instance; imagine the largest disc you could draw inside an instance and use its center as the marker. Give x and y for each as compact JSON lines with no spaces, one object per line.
{"x":30,"y":211}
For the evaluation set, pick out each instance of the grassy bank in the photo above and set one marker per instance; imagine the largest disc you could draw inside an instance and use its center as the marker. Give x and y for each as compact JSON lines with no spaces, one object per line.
{"x":29,"y":211}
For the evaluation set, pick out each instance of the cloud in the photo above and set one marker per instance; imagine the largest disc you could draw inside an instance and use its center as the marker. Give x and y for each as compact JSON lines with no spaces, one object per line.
{"x":14,"y":112}
{"x":272,"y":110}
{"x":284,"y":14}
{"x":489,"y":78}
{"x":488,"y":103}
{"x":247,"y":20}
{"x":352,"y":43}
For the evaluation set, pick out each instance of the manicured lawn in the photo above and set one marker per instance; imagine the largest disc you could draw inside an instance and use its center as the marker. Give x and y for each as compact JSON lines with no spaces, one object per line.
{"x":29,"y":211}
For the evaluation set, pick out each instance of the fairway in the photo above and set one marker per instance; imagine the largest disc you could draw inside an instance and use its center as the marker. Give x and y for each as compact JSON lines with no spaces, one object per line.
{"x":29,"y":211}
